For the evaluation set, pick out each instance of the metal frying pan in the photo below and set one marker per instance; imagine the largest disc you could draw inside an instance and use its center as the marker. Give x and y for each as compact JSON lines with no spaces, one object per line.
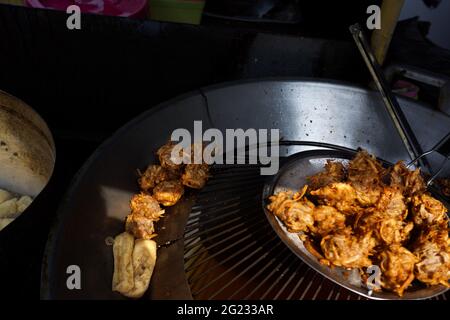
{"x":97,"y":202}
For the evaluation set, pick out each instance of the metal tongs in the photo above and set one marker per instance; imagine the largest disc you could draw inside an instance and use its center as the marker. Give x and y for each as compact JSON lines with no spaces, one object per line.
{"x":412,"y":146}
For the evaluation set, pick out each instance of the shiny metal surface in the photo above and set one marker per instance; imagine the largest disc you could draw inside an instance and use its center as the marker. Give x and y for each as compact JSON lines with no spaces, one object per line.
{"x":97,"y":202}
{"x":324,"y":111}
{"x":389,"y":100}
{"x":292,"y":177}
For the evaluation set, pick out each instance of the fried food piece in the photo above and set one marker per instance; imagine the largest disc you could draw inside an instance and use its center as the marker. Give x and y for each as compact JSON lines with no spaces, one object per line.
{"x":340,"y":195}
{"x":392,"y":204}
{"x":145,"y":205}
{"x":195,"y":175}
{"x":385,"y":220}
{"x":140,"y":226}
{"x":295,"y":211}
{"x":8,"y":209}
{"x":5,"y":195}
{"x":385,"y":230}
{"x":395,"y":231}
{"x":23,"y":203}
{"x":407,"y":181}
{"x":196,"y":156}
{"x":427,"y":210}
{"x":155,"y":174}
{"x":444,"y":184}
{"x":134,"y":262}
{"x":334,"y":172}
{"x":144,"y":260}
{"x":365,"y":174}
{"x":432,"y":248}
{"x":123,"y":278}
{"x":327,"y":219}
{"x":168,"y":192}
{"x":397,"y":268}
{"x":167,"y":159}
{"x":343,"y":249}
{"x":12,"y":208}
{"x":4,"y":222}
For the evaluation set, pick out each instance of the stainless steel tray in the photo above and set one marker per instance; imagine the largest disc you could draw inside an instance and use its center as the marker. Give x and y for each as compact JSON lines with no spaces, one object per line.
{"x":292,"y":176}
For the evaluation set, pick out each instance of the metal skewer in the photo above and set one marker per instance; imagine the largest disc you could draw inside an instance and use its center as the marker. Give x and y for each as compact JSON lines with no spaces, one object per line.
{"x":398,"y":118}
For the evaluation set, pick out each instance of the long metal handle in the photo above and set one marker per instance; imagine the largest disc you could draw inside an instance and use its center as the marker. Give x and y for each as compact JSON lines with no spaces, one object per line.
{"x":401,"y":124}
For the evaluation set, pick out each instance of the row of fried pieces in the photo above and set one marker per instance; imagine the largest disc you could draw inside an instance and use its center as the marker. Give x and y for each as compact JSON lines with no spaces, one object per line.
{"x":162,"y":184}
{"x":363,"y":215}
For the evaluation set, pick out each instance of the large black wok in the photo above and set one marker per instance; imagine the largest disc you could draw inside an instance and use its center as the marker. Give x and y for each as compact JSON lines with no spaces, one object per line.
{"x":97,"y":202}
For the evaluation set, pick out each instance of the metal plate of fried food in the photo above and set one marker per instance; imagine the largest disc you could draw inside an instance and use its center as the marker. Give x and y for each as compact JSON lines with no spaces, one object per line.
{"x":292,"y":176}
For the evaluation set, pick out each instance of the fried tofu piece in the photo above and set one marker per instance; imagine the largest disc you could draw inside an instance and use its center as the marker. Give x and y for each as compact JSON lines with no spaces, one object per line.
{"x":155,"y":174}
{"x":340,"y":195}
{"x":397,"y":268}
{"x":5,"y":195}
{"x":427,"y":210}
{"x":334,"y":172}
{"x":433,"y":250}
{"x":168,"y":193}
{"x":343,"y":249}
{"x":294,"y":210}
{"x":195,"y":175}
{"x":144,"y":260}
{"x":123,"y":278}
{"x":134,"y":262}
{"x":327,"y":219}
{"x":146,"y":206}
{"x":407,"y":181}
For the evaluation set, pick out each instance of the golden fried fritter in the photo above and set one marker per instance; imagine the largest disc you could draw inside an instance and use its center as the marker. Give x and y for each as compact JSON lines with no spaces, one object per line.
{"x":169,"y":161}
{"x":147,"y":206}
{"x":395,"y":231}
{"x":140,"y":226}
{"x":295,"y":212}
{"x":343,"y":249}
{"x":340,"y":195}
{"x":385,"y":230}
{"x":327,"y":219}
{"x":385,"y":220}
{"x":433,"y":249}
{"x":155,"y":174}
{"x":392,"y":204}
{"x":427,"y":210}
{"x":407,"y":181}
{"x":334,"y":172}
{"x":397,"y":268}
{"x":168,"y":192}
{"x":195,"y":175}
{"x":365,"y":174}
